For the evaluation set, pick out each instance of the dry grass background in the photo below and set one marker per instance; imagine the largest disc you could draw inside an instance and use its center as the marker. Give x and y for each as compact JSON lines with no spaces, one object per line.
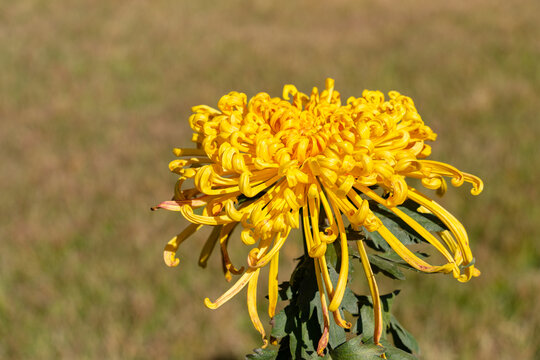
{"x":94,"y":94}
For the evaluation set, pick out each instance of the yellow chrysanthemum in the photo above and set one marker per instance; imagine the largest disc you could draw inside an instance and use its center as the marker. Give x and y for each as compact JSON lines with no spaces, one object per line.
{"x":289,"y":159}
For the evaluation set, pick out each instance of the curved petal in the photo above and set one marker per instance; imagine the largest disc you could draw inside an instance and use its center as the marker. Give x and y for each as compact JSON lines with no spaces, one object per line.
{"x":344,"y":267}
{"x":235,"y":289}
{"x":252,"y":306}
{"x":273,"y":285}
{"x":418,"y":228}
{"x":377,"y":312}
{"x":323,"y":341}
{"x":455,"y":227}
{"x":409,"y":256}
{"x":172,"y":246}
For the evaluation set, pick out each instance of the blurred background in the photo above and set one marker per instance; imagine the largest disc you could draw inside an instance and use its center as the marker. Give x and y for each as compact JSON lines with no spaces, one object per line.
{"x":95,"y":94}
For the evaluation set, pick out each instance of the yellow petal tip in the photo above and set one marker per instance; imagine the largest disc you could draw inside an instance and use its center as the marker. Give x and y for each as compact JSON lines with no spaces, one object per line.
{"x":170,"y":259}
{"x":209,"y":304}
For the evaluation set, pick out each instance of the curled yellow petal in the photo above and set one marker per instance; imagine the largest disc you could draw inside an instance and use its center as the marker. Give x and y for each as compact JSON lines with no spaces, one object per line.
{"x":172,"y":246}
{"x":478,"y":184}
{"x":340,"y":321}
{"x":187,"y":212}
{"x":280,"y":240}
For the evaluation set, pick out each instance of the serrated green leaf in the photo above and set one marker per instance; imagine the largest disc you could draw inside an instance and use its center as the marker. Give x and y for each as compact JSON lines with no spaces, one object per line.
{"x":402,"y":338}
{"x":387,"y":300}
{"x":337,"y":334}
{"x":401,"y":230}
{"x":263,"y":354}
{"x":367,"y":320}
{"x":332,"y":254}
{"x":300,"y":344}
{"x":429,"y":222}
{"x":372,"y":239}
{"x":299,"y":325}
{"x":285,"y":291}
{"x":367,"y":323}
{"x":376,"y":241}
{"x":284,"y":352}
{"x":304,"y":314}
{"x":349,"y":302}
{"x":393,"y":353}
{"x":354,"y":349}
{"x":278,"y":325}
{"x":396,"y":226}
{"x":387,"y":267}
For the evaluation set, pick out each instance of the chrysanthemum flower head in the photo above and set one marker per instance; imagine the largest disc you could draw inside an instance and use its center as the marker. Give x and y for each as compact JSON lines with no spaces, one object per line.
{"x":273,"y":164}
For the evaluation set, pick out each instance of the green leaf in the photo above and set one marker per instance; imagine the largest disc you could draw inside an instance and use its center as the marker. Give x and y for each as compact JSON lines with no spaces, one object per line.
{"x":354,"y":349}
{"x":285,"y":291}
{"x":402,"y":338}
{"x":367,"y":320}
{"x":387,"y":300}
{"x":387,"y":267}
{"x":366,"y":323}
{"x":337,"y":334}
{"x":429,"y":222}
{"x":376,"y":241}
{"x":299,"y":325}
{"x":263,"y":354}
{"x":349,"y":302}
{"x":401,"y":230}
{"x":332,"y":257}
{"x":396,"y":226}
{"x":393,"y":353}
{"x":304,"y":314}
{"x":279,"y":322}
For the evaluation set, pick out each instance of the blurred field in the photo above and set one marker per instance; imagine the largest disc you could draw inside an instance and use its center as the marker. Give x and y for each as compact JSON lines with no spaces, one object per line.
{"x":94,"y":94}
